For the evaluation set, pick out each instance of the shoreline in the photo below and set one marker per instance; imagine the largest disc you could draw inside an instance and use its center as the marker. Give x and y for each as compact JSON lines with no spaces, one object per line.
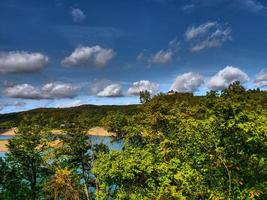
{"x":95,"y":131}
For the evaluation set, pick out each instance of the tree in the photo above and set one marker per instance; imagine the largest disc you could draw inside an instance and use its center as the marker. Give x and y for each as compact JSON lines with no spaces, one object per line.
{"x":114,"y":122}
{"x":11,"y":184}
{"x":78,"y":152}
{"x":25,"y":154}
{"x":63,"y":185}
{"x":144,"y":96}
{"x":211,"y":147}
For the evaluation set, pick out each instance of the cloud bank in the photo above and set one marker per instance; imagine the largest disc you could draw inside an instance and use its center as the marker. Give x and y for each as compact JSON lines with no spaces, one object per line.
{"x":53,"y":90}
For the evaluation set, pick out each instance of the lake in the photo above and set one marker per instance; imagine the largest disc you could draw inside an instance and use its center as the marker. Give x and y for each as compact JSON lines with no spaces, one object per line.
{"x":5,"y":137}
{"x":113,"y":145}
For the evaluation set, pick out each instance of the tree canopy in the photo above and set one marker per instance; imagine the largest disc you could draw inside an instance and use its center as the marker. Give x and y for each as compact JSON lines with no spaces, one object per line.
{"x":177,"y":146}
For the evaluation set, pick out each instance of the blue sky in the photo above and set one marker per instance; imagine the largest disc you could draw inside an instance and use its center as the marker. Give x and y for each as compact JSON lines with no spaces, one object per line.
{"x":57,"y":53}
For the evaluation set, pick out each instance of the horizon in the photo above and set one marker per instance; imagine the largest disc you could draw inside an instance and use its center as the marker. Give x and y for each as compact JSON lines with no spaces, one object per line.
{"x":65,"y":54}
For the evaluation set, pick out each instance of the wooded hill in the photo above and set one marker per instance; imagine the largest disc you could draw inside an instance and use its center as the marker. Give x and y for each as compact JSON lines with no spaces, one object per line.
{"x":91,"y":114}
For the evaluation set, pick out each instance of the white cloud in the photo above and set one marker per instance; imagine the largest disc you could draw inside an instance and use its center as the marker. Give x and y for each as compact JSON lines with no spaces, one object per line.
{"x":9,"y":103}
{"x":25,"y":91}
{"x":162,"y":57}
{"x":95,"y":55}
{"x":226,"y":76}
{"x":188,"y":82}
{"x":21,"y":61}
{"x":53,"y":90}
{"x":207,"y":35}
{"x":77,"y":15}
{"x":141,"y":57}
{"x":143,"y":85}
{"x":98,"y":85}
{"x":73,"y":103}
{"x":261,"y":79}
{"x":194,"y":32}
{"x":252,"y":5}
{"x":113,"y":90}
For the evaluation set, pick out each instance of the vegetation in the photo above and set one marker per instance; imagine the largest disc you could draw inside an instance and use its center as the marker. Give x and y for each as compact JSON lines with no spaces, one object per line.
{"x":176,"y":146}
{"x":91,"y":115}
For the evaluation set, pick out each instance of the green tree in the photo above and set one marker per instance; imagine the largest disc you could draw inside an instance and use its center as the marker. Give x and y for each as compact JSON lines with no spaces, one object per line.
{"x":180,"y":147}
{"x":114,"y":122}
{"x":144,"y":96}
{"x":25,"y":154}
{"x":77,"y":153}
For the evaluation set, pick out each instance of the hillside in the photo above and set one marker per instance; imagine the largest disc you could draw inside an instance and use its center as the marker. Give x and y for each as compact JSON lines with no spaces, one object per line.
{"x":91,"y":113}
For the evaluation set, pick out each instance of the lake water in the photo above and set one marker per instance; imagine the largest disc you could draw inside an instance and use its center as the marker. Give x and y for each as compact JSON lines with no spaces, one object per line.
{"x":5,"y":137}
{"x":113,"y":145}
{"x":2,"y":154}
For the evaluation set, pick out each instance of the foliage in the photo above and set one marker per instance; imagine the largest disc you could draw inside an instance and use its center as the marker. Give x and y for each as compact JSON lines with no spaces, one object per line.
{"x":25,"y":156}
{"x":144,"y":96}
{"x":177,"y":146}
{"x":183,"y":147}
{"x":63,"y":185}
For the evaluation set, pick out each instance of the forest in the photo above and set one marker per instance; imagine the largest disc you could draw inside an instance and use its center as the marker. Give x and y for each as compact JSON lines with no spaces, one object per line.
{"x":175,"y":146}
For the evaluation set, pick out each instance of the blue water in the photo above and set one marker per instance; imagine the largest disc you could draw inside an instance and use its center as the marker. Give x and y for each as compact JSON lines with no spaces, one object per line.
{"x":5,"y":137}
{"x":113,"y":145}
{"x":2,"y":154}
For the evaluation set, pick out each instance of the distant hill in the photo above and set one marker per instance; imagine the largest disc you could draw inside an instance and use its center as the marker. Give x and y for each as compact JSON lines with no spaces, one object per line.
{"x":92,"y":114}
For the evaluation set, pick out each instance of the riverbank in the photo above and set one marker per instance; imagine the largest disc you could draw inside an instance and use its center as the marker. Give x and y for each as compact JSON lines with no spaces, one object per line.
{"x":95,"y":131}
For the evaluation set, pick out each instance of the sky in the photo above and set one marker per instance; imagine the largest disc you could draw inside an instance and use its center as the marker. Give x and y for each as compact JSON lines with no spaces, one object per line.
{"x":63,"y":53}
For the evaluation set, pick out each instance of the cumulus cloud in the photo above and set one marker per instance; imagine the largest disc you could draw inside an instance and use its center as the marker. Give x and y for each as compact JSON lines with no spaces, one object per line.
{"x":105,"y":88}
{"x":54,"y":90}
{"x":226,"y":76}
{"x":77,"y":15}
{"x":95,"y":55}
{"x":207,"y":35}
{"x":21,"y":61}
{"x":98,"y":85}
{"x":113,"y":90}
{"x":188,"y":82}
{"x":261,"y":78}
{"x":142,"y":85}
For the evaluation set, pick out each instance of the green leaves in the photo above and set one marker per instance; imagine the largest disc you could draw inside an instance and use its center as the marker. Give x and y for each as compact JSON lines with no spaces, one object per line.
{"x":175,"y":149}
